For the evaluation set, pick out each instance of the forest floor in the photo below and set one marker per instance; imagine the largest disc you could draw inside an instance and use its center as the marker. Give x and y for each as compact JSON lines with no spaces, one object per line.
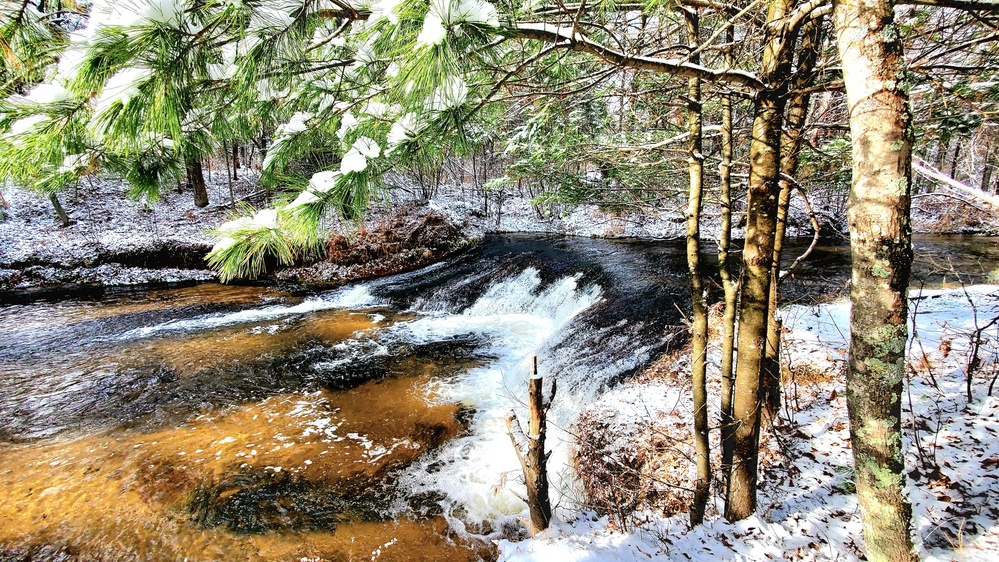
{"x":639,"y":445}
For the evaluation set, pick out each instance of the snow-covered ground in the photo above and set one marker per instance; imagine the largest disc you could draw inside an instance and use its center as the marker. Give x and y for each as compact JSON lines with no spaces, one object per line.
{"x":807,"y":508}
{"x":111,"y":234}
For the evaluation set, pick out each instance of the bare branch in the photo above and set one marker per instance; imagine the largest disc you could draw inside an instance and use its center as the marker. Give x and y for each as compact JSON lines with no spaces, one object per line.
{"x":562,"y":37}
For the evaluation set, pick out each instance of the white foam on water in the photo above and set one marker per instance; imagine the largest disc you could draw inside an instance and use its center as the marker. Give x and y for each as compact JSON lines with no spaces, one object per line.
{"x":478,"y":472}
{"x":358,"y":296}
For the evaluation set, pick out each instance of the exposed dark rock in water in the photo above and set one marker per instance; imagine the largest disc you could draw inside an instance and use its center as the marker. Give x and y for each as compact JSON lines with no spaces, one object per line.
{"x":160,"y":262}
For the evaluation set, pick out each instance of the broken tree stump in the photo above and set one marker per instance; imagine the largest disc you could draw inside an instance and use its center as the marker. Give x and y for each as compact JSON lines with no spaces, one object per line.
{"x":530,"y":450}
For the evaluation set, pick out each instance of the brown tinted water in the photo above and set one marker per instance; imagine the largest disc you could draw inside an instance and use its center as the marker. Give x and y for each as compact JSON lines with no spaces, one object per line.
{"x":227,"y":423}
{"x":287,"y":470}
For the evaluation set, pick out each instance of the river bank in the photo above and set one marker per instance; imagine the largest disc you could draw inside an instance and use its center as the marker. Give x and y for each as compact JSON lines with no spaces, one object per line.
{"x":118,"y":242}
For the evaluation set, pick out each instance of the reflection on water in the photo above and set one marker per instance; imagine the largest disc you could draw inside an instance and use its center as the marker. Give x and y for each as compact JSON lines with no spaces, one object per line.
{"x":239,"y":423}
{"x":239,"y":440}
{"x":298,"y":474}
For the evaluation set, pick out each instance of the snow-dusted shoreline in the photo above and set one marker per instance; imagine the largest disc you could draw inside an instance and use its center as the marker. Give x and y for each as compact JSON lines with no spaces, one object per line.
{"x":808,"y":510}
{"x":115,"y":241}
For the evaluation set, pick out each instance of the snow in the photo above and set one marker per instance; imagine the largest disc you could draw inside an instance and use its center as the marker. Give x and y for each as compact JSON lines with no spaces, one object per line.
{"x":402,"y":130}
{"x":128,"y":13}
{"x":452,"y":93}
{"x":347,"y":122}
{"x":223,"y":243}
{"x":807,"y":510}
{"x":376,"y":109}
{"x":297,"y":123}
{"x":47,"y":93}
{"x":36,"y":251}
{"x":71,"y":59}
{"x":368,"y":147}
{"x":121,"y":87}
{"x":304,"y":198}
{"x":353,"y":161}
{"x":474,"y":11}
{"x":322,"y":182}
{"x":432,"y":32}
{"x":273,"y":16}
{"x":447,"y":13}
{"x":356,"y":158}
{"x":26,"y":125}
{"x":73,"y":162}
{"x":266,"y":218}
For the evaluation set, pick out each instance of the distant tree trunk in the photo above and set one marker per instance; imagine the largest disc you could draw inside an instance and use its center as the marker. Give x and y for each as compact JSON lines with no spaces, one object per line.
{"x":235,"y":160}
{"x":196,"y":178}
{"x":60,"y":212}
{"x":880,"y":241}
{"x":228,"y":176}
{"x":757,"y":256}
{"x":955,"y":158}
{"x":988,"y":162}
{"x":699,"y":324}
{"x":797,"y":110}
{"x":730,"y":285}
{"x":531,"y":451}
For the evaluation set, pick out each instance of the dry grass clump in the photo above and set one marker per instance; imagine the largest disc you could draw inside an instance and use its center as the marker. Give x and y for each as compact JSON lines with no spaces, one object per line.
{"x":427,"y":236}
{"x":628,"y":466}
{"x":646,"y":470}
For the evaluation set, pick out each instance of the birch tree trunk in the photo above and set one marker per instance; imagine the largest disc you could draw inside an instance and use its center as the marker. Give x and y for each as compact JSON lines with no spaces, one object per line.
{"x":880,"y":241}
{"x":699,"y":325}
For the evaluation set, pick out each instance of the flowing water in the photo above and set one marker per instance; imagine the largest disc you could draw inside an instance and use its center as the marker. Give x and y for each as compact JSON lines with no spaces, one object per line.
{"x":236,"y":423}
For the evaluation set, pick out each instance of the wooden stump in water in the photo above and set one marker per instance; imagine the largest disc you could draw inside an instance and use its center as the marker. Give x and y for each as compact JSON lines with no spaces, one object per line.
{"x":530,"y":450}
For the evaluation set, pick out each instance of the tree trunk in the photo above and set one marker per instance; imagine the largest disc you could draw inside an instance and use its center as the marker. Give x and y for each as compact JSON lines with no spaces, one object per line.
{"x":531,"y":452}
{"x":196,"y":178}
{"x":757,"y":256}
{"x":235,"y":160}
{"x":699,"y":325}
{"x":955,"y":158}
{"x":987,"y":165}
{"x":60,"y":212}
{"x":730,"y":286}
{"x":880,"y":241}
{"x":797,"y":111}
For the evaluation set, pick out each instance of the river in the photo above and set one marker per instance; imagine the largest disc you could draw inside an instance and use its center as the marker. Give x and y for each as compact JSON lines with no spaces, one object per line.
{"x":223,"y":422}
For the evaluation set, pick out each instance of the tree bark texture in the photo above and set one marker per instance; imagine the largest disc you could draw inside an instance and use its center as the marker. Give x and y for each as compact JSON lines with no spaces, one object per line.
{"x":794,"y":125}
{"x":699,"y":324}
{"x":531,"y":452}
{"x":880,"y":241}
{"x":730,"y":285}
{"x":757,"y":256}
{"x":196,"y":177}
